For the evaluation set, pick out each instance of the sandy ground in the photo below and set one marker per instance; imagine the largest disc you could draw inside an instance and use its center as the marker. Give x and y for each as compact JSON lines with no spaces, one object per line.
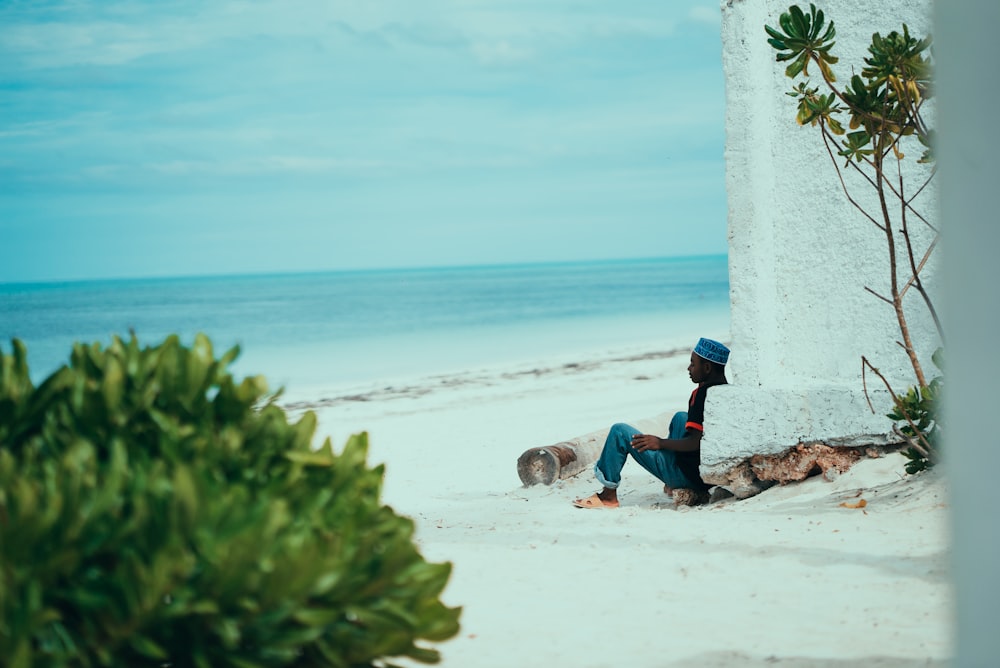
{"x":788,"y":578}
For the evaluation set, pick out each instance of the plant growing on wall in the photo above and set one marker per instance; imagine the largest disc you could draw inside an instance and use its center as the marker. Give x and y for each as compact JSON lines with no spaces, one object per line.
{"x":156,"y":512}
{"x":884,"y":108}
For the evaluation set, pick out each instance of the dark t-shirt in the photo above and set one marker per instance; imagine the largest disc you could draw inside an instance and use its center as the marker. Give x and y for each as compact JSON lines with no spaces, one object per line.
{"x":689,"y":461}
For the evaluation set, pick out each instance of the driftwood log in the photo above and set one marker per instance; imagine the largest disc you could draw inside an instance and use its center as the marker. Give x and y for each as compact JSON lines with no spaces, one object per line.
{"x":544,"y":465}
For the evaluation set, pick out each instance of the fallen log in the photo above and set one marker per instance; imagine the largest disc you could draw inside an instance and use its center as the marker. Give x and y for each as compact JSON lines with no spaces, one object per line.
{"x":545,"y":465}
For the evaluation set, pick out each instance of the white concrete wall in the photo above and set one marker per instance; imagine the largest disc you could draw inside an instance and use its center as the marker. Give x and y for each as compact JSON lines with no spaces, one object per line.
{"x":800,"y":255}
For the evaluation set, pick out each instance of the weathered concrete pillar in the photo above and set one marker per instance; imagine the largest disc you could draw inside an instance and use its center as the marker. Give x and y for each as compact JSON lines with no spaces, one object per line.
{"x":800,"y":257}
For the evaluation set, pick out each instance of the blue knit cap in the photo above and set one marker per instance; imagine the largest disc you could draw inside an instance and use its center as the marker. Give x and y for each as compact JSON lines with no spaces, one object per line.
{"x":713,"y":351}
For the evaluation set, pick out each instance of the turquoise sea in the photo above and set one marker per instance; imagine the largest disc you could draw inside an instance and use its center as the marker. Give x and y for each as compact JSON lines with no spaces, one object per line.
{"x":332,"y":328}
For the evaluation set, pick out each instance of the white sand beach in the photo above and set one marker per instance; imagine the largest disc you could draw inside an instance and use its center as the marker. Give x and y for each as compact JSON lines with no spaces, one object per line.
{"x":788,"y":578}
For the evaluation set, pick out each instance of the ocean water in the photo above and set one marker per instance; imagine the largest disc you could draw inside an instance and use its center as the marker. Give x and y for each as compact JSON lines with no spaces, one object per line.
{"x":310,"y":330}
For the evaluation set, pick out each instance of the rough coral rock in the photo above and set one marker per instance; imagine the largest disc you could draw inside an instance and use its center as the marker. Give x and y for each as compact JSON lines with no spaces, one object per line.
{"x":689,"y":497}
{"x":802,"y":461}
{"x":742,"y":482}
{"x":751,"y":476}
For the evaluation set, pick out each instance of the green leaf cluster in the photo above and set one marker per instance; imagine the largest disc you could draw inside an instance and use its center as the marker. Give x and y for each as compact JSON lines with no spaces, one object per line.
{"x":918,"y":417}
{"x":156,"y":512}
{"x":882,"y":103}
{"x":799,"y":40}
{"x":815,"y":108}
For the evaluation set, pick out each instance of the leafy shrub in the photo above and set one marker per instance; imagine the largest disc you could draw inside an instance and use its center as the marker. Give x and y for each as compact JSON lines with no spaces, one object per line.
{"x":918,"y":414}
{"x":155,"y":512}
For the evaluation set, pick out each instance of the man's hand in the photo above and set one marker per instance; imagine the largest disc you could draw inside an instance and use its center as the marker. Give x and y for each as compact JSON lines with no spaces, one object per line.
{"x":644,"y":442}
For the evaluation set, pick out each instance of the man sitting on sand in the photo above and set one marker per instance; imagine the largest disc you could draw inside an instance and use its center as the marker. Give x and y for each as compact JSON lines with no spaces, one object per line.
{"x":674,"y":459}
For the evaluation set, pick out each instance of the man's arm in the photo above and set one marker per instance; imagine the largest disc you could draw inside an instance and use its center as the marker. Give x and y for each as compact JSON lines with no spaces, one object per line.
{"x":690,"y":443}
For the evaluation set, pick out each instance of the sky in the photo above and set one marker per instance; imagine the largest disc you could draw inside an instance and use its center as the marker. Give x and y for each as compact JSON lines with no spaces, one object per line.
{"x":199,"y":137}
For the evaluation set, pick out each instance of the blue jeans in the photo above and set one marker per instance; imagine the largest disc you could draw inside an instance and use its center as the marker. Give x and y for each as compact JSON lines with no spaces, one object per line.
{"x":661,"y":463}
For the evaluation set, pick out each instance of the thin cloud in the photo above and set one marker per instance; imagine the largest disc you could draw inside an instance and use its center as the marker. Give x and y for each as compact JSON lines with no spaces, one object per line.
{"x":30,"y":45}
{"x":501,"y":53}
{"x":270,"y":164}
{"x":706,"y":15}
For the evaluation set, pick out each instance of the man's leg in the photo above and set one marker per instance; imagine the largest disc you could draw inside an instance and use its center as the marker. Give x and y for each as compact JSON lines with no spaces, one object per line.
{"x":677,"y":430}
{"x":617,"y":447}
{"x":663,"y":465}
{"x":688,"y":494}
{"x":608,"y":469}
{"x":678,"y":425}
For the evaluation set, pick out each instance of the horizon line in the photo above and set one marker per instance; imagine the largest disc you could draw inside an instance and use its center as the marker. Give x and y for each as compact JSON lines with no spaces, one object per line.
{"x":356,"y":270}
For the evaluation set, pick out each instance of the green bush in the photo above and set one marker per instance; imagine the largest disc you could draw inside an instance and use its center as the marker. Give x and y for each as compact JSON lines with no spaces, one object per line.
{"x":155,"y":512}
{"x":918,"y":421}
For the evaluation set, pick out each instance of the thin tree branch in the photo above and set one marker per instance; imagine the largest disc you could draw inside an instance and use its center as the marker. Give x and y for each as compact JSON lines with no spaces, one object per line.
{"x":840,"y":176}
{"x":899,"y":193}
{"x":868,"y":161}
{"x":915,"y":278}
{"x":897,"y":302}
{"x":864,"y":384}
{"x":919,"y":442}
{"x":885,"y":299}
{"x":923,"y":260}
{"x":916,"y":194}
{"x":918,"y":127}
{"x":914,"y":443}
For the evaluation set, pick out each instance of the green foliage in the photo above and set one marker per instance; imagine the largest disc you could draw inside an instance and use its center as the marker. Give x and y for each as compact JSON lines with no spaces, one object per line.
{"x":815,"y":108}
{"x":918,"y":416}
{"x":901,"y":57}
{"x":799,"y":40}
{"x":857,"y":146}
{"x":884,"y":100}
{"x":154,"y":511}
{"x":917,"y":413}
